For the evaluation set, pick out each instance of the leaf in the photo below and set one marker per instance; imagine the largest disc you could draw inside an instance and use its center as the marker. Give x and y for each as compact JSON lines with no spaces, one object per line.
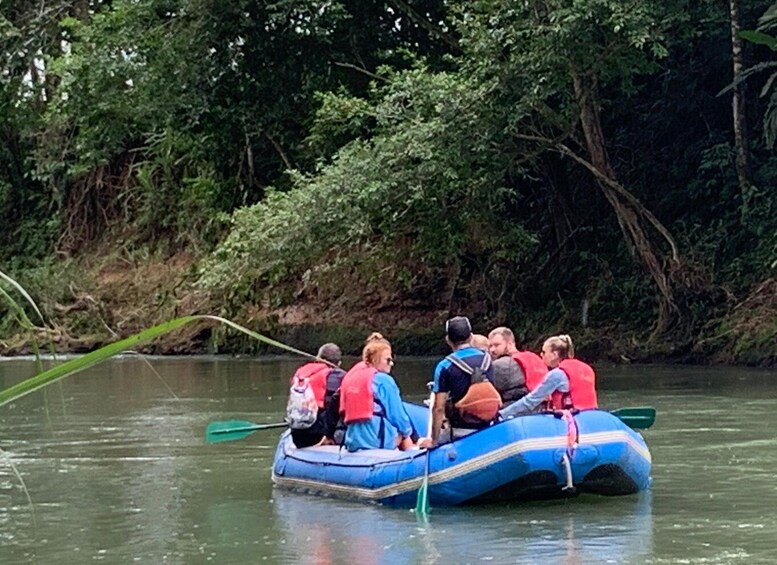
{"x":759,"y":38}
{"x":78,"y":364}
{"x":747,"y":73}
{"x":23,"y":292}
{"x":769,"y":19}
{"x":770,"y":121}
{"x":768,"y":85}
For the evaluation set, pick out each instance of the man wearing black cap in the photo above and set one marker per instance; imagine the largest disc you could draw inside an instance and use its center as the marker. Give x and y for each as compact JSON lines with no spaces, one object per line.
{"x":464,"y":392}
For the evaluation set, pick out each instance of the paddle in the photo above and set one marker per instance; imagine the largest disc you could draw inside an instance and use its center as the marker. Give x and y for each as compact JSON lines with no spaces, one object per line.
{"x":236,"y":429}
{"x":422,"y":501}
{"x":637,"y":417}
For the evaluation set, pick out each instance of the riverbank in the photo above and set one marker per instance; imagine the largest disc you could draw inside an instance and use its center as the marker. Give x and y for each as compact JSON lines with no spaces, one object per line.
{"x":91,"y":302}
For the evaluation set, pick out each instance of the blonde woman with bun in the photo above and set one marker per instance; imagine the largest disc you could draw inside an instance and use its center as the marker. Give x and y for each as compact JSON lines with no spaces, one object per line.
{"x":569,"y":384}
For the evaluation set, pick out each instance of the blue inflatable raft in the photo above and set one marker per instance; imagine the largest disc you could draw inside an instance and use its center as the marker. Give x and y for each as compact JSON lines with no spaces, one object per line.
{"x":524,"y":458}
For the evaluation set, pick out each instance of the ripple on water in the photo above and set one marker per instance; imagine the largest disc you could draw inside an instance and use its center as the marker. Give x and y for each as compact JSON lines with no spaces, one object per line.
{"x":114,"y":463}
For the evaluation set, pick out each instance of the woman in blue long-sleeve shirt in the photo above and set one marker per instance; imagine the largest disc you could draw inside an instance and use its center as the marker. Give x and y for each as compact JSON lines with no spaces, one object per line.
{"x":372,"y":405}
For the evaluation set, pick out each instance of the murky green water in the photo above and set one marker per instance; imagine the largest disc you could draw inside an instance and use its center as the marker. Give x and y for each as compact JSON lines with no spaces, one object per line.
{"x":116,"y":466}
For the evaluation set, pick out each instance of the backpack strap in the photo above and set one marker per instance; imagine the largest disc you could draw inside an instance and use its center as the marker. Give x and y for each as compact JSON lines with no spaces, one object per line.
{"x":460,"y":364}
{"x":382,"y":415}
{"x":485,"y":363}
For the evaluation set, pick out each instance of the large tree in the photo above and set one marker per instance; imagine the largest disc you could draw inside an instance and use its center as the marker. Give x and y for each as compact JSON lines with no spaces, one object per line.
{"x":557,"y":58}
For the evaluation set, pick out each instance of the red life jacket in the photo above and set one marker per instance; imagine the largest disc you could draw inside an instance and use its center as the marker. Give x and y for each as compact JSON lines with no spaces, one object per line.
{"x":316,"y":373}
{"x":533,"y":367}
{"x":582,"y":386}
{"x":356,"y":398}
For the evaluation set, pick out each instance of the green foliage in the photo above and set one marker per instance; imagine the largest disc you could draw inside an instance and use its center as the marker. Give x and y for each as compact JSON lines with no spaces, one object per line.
{"x":767,"y":22}
{"x":214,"y":99}
{"x":410,"y":157}
{"x":24,"y":204}
{"x":178,"y":193}
{"x":339,"y":119}
{"x":38,"y":284}
{"x":761,"y":219}
{"x":423,"y":192}
{"x":535,"y":47}
{"x":759,"y":38}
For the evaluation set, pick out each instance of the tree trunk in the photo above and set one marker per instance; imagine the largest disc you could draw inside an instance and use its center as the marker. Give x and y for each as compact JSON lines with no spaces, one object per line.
{"x":632,"y":216}
{"x":738,"y":106}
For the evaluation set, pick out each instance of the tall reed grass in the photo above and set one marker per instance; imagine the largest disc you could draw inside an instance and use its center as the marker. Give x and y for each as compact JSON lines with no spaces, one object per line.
{"x":72,"y":366}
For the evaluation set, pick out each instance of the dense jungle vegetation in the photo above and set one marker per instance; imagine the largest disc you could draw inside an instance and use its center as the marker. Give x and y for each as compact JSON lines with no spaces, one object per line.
{"x":604,"y":168}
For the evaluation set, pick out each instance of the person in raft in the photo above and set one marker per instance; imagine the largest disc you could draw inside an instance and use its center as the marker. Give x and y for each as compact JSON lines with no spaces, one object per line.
{"x":371,"y":405}
{"x":515,"y":372}
{"x":570,"y":383}
{"x":463,"y":389}
{"x":479,"y":341}
{"x":323,"y":378}
{"x":335,"y":426}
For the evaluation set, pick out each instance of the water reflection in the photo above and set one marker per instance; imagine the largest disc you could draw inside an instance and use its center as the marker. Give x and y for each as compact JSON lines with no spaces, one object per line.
{"x":325,"y":531}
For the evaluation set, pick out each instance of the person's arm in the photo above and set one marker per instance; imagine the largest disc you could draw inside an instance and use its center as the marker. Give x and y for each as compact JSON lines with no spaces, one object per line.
{"x":438,"y":415}
{"x":332,"y":415}
{"x":388,"y":391}
{"x":333,"y":380}
{"x":438,"y":409}
{"x":441,"y":390}
{"x":556,"y":379}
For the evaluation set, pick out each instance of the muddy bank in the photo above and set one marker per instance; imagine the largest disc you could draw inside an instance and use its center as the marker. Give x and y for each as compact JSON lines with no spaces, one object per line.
{"x":110,"y":298}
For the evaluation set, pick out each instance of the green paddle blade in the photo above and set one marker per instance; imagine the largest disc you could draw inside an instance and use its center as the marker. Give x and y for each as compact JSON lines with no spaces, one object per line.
{"x":232,"y":430}
{"x":637,"y":417}
{"x":422,"y":502}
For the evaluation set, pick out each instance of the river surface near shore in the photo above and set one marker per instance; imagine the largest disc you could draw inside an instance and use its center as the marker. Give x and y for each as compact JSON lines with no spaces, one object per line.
{"x":117,"y":470}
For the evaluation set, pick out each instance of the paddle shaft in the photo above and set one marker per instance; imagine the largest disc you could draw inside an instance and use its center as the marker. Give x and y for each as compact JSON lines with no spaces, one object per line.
{"x":251,"y":428}
{"x":422,"y":501}
{"x":232,"y":430}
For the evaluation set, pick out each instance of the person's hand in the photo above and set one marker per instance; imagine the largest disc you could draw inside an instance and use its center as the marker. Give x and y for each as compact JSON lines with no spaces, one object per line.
{"x":426,"y":443}
{"x":405,"y":443}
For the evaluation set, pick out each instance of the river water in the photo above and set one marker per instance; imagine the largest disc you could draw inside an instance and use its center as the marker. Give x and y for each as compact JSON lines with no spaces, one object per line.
{"x":111,"y":465}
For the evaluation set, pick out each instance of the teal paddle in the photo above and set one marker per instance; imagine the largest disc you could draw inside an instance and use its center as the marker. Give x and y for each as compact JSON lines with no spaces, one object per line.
{"x":422,"y":501}
{"x":236,"y":429}
{"x":637,"y":417}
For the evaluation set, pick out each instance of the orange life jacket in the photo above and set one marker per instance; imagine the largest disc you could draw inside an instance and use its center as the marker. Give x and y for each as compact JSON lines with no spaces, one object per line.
{"x":533,"y":367}
{"x":582,"y":387}
{"x":316,"y":373}
{"x":356,"y":398}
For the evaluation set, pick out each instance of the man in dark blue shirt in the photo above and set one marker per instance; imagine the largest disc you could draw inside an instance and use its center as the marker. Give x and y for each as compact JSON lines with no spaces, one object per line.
{"x":453,"y":377}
